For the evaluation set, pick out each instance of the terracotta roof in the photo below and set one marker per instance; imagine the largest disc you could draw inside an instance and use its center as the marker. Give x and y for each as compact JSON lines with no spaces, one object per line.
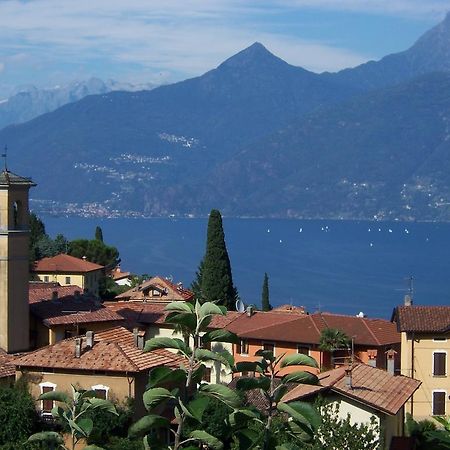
{"x":371,"y":386}
{"x":38,"y":292}
{"x":170,"y":291}
{"x":426,"y":319}
{"x":65,"y":264}
{"x":117,"y":274}
{"x":7,"y":368}
{"x":72,"y":309}
{"x":307,"y":328}
{"x":113,"y":351}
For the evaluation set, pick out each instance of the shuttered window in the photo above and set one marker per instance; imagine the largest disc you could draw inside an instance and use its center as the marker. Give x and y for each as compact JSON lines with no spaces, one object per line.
{"x":439,"y":363}
{"x":47,"y":405}
{"x":439,"y":403}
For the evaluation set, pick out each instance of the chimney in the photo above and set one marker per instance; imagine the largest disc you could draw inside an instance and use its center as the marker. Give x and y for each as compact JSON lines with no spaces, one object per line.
{"x":348,"y":378}
{"x":55,"y":295}
{"x":249,"y":311}
{"x":408,"y":300}
{"x":90,"y":339}
{"x":77,"y":347}
{"x":390,"y":357}
{"x":138,"y":338}
{"x":372,"y":354}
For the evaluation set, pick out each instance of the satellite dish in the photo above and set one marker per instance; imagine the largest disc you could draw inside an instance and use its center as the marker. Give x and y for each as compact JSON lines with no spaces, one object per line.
{"x":240,"y":307}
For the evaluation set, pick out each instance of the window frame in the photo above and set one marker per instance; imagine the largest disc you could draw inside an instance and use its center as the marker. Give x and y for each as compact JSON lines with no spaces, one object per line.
{"x":42,"y":386}
{"x":101,"y":387}
{"x":269,"y":343}
{"x":304,"y":346}
{"x":438,"y":391}
{"x":243,"y":344}
{"x":68,"y":279}
{"x":444,"y":352}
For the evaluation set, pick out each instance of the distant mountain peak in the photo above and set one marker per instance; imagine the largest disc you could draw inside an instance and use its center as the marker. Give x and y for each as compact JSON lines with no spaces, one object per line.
{"x":256,"y":54}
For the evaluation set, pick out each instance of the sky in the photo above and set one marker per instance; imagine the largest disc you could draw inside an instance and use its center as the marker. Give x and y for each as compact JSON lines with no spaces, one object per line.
{"x":53,"y":42}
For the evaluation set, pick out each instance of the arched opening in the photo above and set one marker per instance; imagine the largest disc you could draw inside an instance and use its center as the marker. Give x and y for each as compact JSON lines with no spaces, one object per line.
{"x":17,"y":214}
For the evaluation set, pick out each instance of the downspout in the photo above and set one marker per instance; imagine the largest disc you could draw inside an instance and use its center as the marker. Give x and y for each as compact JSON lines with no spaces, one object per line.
{"x":412,"y":372}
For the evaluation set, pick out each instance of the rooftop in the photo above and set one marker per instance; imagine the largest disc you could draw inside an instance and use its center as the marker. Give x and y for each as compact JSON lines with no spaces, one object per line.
{"x":371,"y":386}
{"x":425,"y":319}
{"x":113,"y":351}
{"x":65,"y":264}
{"x":7,"y":178}
{"x":38,"y":291}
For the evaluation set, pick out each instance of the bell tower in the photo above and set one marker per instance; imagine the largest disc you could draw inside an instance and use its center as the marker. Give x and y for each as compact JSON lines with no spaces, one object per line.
{"x":14,"y":262}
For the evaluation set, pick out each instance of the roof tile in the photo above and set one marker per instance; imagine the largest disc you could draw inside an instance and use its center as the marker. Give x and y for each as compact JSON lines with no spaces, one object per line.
{"x":65,"y":264}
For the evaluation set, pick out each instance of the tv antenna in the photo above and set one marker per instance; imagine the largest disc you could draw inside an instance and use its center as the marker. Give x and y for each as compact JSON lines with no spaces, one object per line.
{"x":4,"y":156}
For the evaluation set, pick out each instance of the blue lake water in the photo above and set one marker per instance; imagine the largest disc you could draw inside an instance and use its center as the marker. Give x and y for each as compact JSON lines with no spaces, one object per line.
{"x":337,"y":266}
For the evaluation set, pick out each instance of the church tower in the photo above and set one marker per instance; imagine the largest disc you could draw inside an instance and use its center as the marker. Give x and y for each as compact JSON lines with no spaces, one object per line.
{"x":14,"y":262}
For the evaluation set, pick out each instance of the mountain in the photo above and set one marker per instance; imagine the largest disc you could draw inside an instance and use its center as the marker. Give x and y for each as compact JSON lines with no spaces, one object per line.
{"x":29,"y":101}
{"x":431,"y":53}
{"x":255,"y":136}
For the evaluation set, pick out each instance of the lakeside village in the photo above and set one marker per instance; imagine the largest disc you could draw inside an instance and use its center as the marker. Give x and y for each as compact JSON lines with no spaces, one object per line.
{"x":92,"y":357}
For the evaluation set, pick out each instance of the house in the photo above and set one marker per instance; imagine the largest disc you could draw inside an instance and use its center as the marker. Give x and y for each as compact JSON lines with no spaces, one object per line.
{"x":59,"y":312}
{"x":68,"y":270}
{"x":363,"y":391}
{"x":121,"y":278}
{"x":375,"y":341}
{"x":111,"y":362}
{"x":157,"y":290}
{"x":425,"y":350}
{"x":7,"y":368}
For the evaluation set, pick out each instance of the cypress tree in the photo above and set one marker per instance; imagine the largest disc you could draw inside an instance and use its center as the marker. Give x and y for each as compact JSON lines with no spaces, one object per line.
{"x":216,"y":278}
{"x":265,"y":303}
{"x":98,"y":234}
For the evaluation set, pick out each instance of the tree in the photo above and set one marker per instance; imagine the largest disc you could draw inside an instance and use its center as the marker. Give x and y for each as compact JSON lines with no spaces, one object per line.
{"x":95,"y":251}
{"x":332,"y":339}
{"x":303,"y":418}
{"x":216,"y":277}
{"x":99,"y":234}
{"x":75,"y":413}
{"x":186,"y":399}
{"x":265,"y":302}
{"x":335,"y":432}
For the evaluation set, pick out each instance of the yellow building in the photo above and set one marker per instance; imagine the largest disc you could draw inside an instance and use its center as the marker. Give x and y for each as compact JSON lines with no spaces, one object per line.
{"x":68,"y":270}
{"x":14,"y":257}
{"x":425,"y":349}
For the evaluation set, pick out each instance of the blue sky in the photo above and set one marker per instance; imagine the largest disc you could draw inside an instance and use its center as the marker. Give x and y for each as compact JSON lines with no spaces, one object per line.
{"x":50,"y":42}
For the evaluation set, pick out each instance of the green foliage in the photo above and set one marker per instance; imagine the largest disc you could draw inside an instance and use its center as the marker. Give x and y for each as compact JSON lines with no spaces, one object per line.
{"x":333,"y":339}
{"x":120,"y":443}
{"x":427,"y":435}
{"x":99,"y":234}
{"x":95,"y":251}
{"x":216,"y":281}
{"x":18,"y":417}
{"x":337,"y":433}
{"x":265,"y":302}
{"x":76,"y":414}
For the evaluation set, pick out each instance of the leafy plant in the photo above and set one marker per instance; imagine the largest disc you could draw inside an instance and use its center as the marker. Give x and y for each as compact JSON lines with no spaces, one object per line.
{"x":333,"y":339}
{"x":181,"y":390}
{"x":302,"y":418}
{"x":73,"y":412}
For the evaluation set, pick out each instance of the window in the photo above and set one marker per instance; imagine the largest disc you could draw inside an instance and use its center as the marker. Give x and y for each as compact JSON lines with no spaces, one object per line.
{"x":439,"y":403}
{"x":46,"y":278}
{"x":440,"y":339}
{"x":68,"y":334}
{"x":303,"y":350}
{"x":439,"y":363}
{"x":47,"y":405}
{"x":269,"y":346}
{"x":207,"y":375}
{"x":101,"y":391}
{"x":242,"y":347}
{"x":67,"y":280}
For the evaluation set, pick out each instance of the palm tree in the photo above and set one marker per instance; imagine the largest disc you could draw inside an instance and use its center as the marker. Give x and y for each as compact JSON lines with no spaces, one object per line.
{"x":332,"y":339}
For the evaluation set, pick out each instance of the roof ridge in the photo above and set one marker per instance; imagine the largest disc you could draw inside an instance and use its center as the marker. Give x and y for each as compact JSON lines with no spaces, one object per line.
{"x":370,"y":331}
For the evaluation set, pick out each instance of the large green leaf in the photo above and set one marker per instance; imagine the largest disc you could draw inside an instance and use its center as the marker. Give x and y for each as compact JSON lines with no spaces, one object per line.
{"x":248,"y":383}
{"x":266,"y":354}
{"x":182,"y":307}
{"x":207,"y":438}
{"x":301,"y":412}
{"x":55,"y":396}
{"x":187,"y":320}
{"x":301,"y":376}
{"x":248,"y":439}
{"x":145,"y":424}
{"x":220,"y":336}
{"x":166,"y":342}
{"x":197,"y":407}
{"x":155,"y":396}
{"x":209,"y":309}
{"x":279,"y":392}
{"x":298,"y":360}
{"x":246,"y":366}
{"x":222,"y":393}
{"x":87,"y":425}
{"x":49,"y":437}
{"x":202,"y":354}
{"x":199,"y":372}
{"x":79,"y":431}
{"x":240,"y":417}
{"x":104,"y":405}
{"x":165,"y":375}
{"x":57,"y":411}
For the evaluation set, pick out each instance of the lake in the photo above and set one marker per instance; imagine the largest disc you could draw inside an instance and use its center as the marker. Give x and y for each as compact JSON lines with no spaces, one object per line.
{"x":336,"y":266}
